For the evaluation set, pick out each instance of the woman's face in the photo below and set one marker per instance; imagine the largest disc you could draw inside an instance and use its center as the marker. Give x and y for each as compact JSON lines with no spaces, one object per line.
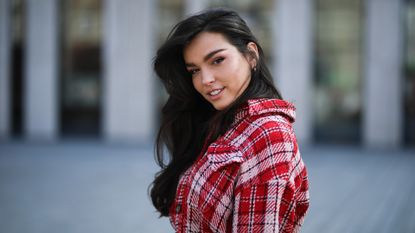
{"x":220,"y":73}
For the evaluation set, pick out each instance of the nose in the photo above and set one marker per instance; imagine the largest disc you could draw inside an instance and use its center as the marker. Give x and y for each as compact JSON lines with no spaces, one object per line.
{"x":207,"y":78}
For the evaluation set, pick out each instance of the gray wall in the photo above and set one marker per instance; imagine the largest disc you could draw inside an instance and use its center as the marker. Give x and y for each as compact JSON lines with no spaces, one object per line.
{"x":41,"y":67}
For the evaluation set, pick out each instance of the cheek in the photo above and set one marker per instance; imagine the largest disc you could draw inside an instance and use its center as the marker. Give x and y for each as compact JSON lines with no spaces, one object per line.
{"x":197,"y":84}
{"x":240,"y":70}
{"x":241,"y":75}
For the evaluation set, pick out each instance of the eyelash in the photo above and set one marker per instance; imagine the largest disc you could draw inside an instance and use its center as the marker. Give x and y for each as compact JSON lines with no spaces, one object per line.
{"x":217,"y":61}
{"x":193,"y":71}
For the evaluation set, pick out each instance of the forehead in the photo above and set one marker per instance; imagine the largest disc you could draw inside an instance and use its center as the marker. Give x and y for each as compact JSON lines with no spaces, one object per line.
{"x":203,"y":44}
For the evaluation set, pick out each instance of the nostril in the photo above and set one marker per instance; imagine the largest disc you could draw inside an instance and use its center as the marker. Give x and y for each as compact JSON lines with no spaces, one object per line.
{"x":208,"y":81}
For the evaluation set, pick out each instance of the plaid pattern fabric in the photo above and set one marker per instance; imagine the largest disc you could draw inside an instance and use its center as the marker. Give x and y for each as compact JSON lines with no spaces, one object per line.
{"x":252,"y":179}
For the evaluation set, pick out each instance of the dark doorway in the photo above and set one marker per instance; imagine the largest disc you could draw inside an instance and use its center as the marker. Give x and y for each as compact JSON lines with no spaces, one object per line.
{"x":80,"y":83}
{"x":17,"y":66}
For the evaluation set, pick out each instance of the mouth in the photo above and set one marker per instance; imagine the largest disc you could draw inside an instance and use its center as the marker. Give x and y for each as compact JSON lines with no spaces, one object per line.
{"x":215,"y":92}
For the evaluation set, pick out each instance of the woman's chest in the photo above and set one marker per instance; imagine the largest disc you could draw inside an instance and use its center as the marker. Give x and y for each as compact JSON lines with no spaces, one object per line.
{"x":204,"y":195}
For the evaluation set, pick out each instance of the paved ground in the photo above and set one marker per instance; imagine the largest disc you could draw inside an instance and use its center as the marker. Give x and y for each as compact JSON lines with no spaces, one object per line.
{"x":361,"y":191}
{"x":90,"y":187}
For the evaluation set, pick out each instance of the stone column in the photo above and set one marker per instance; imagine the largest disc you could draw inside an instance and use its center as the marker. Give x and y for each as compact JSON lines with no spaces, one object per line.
{"x":41,"y":66}
{"x":383,"y":110}
{"x":5,"y":55}
{"x":293,"y":36}
{"x":129,"y":102}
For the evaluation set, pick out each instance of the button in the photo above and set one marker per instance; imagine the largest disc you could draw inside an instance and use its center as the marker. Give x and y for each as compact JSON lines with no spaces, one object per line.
{"x":178,"y":208}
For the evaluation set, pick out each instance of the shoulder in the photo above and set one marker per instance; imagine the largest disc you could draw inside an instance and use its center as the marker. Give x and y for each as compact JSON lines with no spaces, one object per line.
{"x":266,"y":144}
{"x":273,"y":133}
{"x":254,"y":136}
{"x":265,"y":122}
{"x":263,"y":132}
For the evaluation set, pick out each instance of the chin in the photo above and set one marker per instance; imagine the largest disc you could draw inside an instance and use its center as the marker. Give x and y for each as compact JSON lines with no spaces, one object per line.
{"x":220,"y":106}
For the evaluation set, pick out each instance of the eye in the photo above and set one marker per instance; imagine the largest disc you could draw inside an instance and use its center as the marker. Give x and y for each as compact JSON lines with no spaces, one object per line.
{"x":193,"y":72}
{"x":218,"y":60}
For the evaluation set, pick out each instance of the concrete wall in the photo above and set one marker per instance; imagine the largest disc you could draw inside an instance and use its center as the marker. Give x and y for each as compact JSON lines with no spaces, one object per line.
{"x":383,"y":110}
{"x":128,"y":49}
{"x":41,"y":70}
{"x":5,"y":48}
{"x":292,"y":32}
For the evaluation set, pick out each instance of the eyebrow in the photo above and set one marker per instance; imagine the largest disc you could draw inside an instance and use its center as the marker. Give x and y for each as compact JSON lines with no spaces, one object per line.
{"x":208,"y":56}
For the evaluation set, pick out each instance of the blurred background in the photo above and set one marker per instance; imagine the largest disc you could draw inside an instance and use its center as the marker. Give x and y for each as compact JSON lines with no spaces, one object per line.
{"x":80,"y":105}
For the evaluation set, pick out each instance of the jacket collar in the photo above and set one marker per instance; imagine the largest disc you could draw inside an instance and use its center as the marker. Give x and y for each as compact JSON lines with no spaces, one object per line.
{"x":255,"y":107}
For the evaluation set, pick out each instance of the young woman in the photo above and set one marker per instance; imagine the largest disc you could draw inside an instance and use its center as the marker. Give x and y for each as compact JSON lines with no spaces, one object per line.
{"x":234,"y":163}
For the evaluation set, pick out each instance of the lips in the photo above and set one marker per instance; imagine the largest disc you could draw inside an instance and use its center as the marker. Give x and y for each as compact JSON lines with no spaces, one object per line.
{"x":215,"y":92}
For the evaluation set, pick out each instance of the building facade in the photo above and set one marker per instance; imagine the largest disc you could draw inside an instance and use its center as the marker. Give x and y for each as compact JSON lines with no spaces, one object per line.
{"x":83,"y":68}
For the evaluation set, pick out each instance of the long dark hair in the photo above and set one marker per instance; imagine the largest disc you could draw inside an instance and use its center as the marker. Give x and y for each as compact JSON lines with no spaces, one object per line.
{"x":187,"y":116}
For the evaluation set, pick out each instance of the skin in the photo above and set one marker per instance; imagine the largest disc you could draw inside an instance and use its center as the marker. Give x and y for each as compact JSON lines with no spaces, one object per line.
{"x":220,"y":73}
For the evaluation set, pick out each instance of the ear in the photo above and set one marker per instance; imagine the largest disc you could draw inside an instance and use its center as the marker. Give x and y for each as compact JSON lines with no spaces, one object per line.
{"x":253,"y":55}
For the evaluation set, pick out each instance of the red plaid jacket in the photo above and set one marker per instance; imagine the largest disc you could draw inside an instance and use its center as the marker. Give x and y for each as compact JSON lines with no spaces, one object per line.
{"x":251,"y":179}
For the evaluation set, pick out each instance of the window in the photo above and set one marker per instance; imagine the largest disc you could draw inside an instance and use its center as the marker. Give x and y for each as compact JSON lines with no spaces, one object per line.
{"x":81,"y":67}
{"x":337,"y":69}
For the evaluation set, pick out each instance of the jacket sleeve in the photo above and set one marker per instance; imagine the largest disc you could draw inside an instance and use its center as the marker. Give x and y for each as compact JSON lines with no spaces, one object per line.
{"x":272,"y":190}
